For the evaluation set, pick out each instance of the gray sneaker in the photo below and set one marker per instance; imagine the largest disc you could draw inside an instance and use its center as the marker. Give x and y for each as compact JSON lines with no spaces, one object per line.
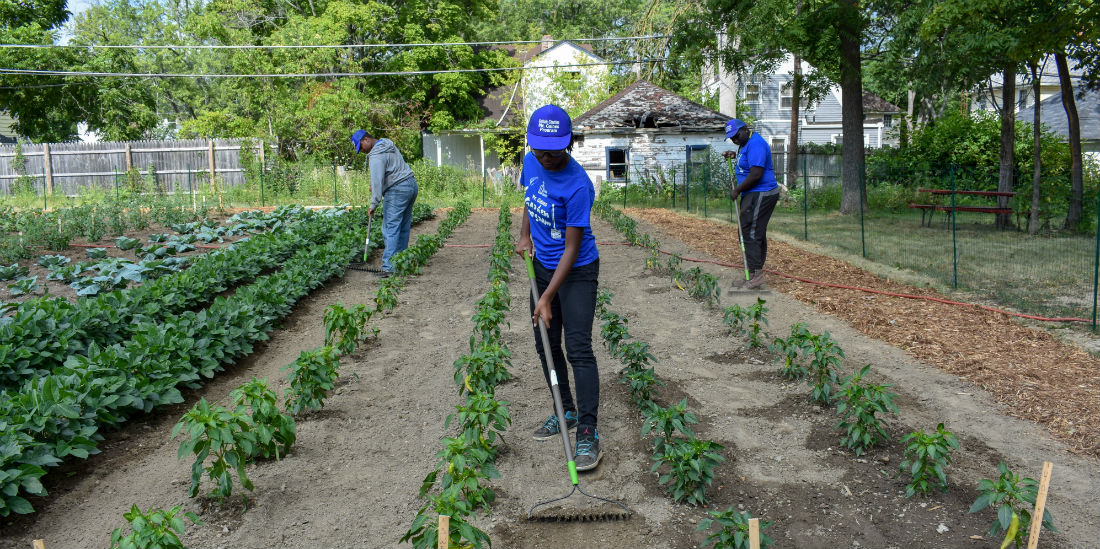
{"x":587,"y":455}
{"x":551,"y":428}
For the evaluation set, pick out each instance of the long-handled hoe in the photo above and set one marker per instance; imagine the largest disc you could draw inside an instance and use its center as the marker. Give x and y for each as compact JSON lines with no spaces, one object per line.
{"x":558,"y":515}
{"x":740,"y":237}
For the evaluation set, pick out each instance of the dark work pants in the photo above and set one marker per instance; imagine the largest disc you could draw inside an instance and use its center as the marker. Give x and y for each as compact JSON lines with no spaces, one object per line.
{"x":756,"y":211}
{"x":574,"y":308}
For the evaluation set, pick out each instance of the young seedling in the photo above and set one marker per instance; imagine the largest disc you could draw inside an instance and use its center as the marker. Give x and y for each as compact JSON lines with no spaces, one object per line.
{"x":757,"y":316}
{"x":691,"y":465}
{"x":154,"y":528}
{"x":790,"y":350}
{"x":732,"y":529}
{"x":666,"y":422}
{"x":614,"y":333}
{"x":825,"y":361}
{"x":926,"y":456}
{"x":227,"y":437}
{"x":1013,"y":497}
{"x":641,"y":382}
{"x":861,"y":408}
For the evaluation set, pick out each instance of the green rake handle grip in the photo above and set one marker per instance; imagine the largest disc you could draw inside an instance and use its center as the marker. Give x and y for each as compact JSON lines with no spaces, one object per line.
{"x":740,"y":237}
{"x":558,"y":408}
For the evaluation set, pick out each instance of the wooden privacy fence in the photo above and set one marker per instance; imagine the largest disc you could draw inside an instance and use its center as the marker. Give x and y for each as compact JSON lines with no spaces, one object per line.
{"x":178,"y":166}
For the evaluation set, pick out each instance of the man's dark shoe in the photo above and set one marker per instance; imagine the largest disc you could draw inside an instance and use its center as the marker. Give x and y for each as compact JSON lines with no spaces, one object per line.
{"x":551,"y":428}
{"x":384,"y":274}
{"x":587,"y":455}
{"x":756,"y":281}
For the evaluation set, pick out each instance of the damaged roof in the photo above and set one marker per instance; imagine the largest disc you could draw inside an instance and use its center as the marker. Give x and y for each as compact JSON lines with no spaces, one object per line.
{"x":647,"y":105}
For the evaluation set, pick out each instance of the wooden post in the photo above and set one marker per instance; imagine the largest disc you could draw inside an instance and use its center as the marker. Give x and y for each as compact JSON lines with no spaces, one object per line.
{"x":444,"y":532}
{"x":48,"y":162}
{"x":754,"y":533}
{"x":211,"y":157}
{"x":1040,"y":504}
{"x":262,"y":147}
{"x":39,"y":544}
{"x":129,"y":158}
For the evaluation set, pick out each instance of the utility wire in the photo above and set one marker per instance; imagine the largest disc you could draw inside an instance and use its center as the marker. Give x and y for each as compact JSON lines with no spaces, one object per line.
{"x":29,"y":72}
{"x":318,"y":46}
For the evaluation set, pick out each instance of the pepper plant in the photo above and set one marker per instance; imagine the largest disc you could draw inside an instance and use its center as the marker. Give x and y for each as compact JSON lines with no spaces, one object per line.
{"x":614,"y":332}
{"x":345,"y":328}
{"x":482,"y":418}
{"x":1013,"y":497}
{"x":275,"y":431}
{"x":789,"y":351}
{"x":312,"y":375}
{"x":666,"y":422}
{"x":485,"y":367}
{"x":926,"y":456}
{"x":153,"y":528}
{"x":824,"y":362}
{"x":227,"y":437}
{"x":732,"y":529}
{"x":861,"y":407}
{"x":691,"y":465}
{"x":641,"y":382}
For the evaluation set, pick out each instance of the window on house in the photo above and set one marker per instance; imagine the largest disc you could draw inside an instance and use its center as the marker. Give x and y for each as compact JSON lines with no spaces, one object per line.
{"x":1022,"y":99}
{"x":752,"y":93}
{"x":838,"y":139}
{"x":779,"y":145}
{"x":888,"y":120}
{"x":617,"y":163}
{"x":786,"y":98}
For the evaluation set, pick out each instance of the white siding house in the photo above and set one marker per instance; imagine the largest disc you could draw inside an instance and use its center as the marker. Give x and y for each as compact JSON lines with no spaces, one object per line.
{"x":7,"y":132}
{"x":646,"y":131}
{"x":768,"y":98}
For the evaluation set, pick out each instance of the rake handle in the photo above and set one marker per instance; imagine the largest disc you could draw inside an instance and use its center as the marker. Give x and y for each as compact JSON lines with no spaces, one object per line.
{"x":553,"y":374}
{"x":737,"y":212}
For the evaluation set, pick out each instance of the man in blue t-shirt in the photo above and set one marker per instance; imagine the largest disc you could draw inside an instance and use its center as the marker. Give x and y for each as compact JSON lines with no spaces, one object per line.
{"x":758,"y":191}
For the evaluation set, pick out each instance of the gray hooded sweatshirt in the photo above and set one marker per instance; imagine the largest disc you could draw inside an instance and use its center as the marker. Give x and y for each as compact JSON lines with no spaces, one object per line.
{"x":387,"y":168}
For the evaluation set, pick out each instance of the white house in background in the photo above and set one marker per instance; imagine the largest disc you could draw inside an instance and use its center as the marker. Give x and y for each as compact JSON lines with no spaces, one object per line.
{"x":1053,"y":117}
{"x":7,"y":131}
{"x":646,"y":131}
{"x":768,"y":99}
{"x":509,"y":107}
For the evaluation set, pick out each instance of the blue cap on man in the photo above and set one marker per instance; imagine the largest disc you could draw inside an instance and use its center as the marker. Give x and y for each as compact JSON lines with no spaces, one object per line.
{"x":356,"y":138}
{"x":549,"y":129}
{"x":733,"y":126}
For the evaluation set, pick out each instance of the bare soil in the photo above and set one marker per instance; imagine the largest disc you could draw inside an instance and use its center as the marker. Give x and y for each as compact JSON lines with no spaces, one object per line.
{"x":353,"y":476}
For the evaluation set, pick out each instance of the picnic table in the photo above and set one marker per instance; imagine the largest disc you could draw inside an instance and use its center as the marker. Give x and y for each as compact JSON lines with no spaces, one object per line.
{"x":938,"y":205}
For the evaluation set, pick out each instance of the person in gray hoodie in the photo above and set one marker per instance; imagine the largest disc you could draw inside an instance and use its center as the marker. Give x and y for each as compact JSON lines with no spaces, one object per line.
{"x":392,"y":179}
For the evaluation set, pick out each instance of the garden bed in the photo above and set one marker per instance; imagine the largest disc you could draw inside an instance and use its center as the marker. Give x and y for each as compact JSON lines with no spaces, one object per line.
{"x":352,"y":478}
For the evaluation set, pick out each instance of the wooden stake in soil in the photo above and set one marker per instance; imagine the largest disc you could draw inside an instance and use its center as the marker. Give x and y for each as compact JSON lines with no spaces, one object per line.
{"x":1040,"y":504}
{"x":444,"y":533}
{"x":39,"y":544}
{"x":754,"y":533}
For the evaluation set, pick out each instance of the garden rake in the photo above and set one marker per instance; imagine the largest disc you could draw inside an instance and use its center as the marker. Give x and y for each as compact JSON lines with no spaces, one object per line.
{"x":740,"y":237}
{"x":362,"y":265}
{"x":556,"y":515}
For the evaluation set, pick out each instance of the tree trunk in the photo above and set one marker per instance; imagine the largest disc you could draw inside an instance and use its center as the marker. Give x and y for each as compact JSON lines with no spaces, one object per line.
{"x":851,"y":89}
{"x":1008,"y":141}
{"x":792,"y":139}
{"x":1077,"y":187}
{"x":1037,"y":164}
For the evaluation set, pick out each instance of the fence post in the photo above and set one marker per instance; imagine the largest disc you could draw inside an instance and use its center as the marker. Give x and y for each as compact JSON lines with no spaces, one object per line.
{"x":44,"y":195}
{"x":129,"y":158}
{"x":261,"y":179}
{"x":954,"y":240}
{"x":706,"y":189}
{"x":805,"y":201}
{"x":333,"y":182}
{"x":862,"y":228}
{"x":1096,"y":264}
{"x":48,"y":162}
{"x":116,"y":185}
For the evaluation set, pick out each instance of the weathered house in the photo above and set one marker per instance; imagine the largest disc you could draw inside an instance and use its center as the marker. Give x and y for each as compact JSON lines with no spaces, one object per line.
{"x":768,"y":100}
{"x":646,"y":130}
{"x":1053,"y":118}
{"x":560,"y":72}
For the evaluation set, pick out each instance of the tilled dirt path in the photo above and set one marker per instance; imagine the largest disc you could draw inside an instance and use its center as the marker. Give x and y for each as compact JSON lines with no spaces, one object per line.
{"x":353,"y":476}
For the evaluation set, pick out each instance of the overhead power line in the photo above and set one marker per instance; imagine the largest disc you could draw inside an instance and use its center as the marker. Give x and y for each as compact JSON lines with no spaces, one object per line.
{"x":317,"y":46}
{"x":29,"y":72}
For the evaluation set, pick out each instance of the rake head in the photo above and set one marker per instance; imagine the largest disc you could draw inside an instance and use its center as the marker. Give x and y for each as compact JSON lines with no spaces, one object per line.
{"x":606,"y":510}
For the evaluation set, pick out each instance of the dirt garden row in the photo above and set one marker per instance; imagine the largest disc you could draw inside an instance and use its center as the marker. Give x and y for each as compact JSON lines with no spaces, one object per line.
{"x":352,"y":478}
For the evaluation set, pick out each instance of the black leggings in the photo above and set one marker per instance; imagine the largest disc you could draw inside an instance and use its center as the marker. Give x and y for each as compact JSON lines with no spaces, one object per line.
{"x":756,"y":211}
{"x":573,"y":309}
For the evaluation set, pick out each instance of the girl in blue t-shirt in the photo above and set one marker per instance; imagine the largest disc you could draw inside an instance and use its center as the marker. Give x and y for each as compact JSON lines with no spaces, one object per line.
{"x":556,"y":228}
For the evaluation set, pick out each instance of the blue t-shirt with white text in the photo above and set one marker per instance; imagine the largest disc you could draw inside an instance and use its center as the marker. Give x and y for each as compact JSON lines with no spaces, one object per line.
{"x":756,"y":153}
{"x":556,"y":200}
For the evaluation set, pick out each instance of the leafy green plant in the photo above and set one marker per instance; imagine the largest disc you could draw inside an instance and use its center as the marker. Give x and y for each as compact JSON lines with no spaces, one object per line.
{"x":227,"y":437}
{"x":153,"y":528}
{"x":482,"y":419}
{"x":275,"y":431}
{"x":732,"y":529}
{"x":1013,"y":497}
{"x":824,"y":362}
{"x":312,"y":375}
{"x":691,"y":465}
{"x":747,"y":321}
{"x":344,"y":328}
{"x":861,"y":408}
{"x":16,"y":476}
{"x":96,"y":253}
{"x":125,"y":243}
{"x":614,"y":332}
{"x":13,"y":271}
{"x":485,"y":367}
{"x":385,"y":299}
{"x":641,"y":382}
{"x":52,"y":262}
{"x":635,"y":356}
{"x":24,"y":286}
{"x":666,"y":422}
{"x":757,"y":317}
{"x":926,"y":456}
{"x":734,"y":317}
{"x":789,"y":351}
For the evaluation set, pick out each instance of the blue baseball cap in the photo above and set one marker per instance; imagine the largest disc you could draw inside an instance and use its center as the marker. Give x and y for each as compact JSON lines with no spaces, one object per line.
{"x":356,"y":138}
{"x":733,"y":126}
{"x":549,"y":129}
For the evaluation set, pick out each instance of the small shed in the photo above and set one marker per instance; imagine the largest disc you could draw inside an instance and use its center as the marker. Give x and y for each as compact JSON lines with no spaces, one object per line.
{"x":646,"y":131}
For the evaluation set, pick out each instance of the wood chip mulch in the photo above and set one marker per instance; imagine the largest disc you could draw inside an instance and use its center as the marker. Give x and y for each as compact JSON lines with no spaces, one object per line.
{"x":1027,"y":370}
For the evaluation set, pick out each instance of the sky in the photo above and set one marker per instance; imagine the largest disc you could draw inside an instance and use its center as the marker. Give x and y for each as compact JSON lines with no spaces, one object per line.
{"x":74,"y":7}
